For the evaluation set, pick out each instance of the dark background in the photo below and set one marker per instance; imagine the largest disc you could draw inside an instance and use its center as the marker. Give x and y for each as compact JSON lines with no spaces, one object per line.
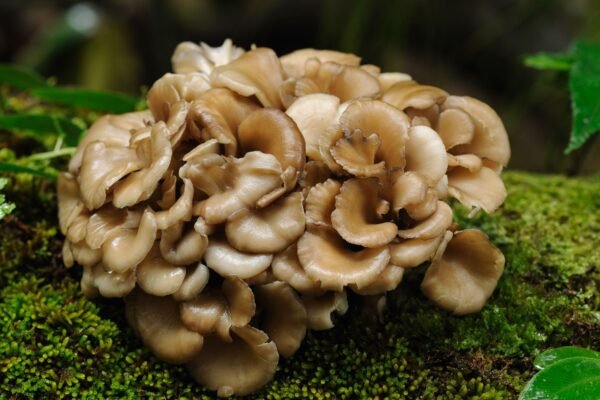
{"x":465,"y":47}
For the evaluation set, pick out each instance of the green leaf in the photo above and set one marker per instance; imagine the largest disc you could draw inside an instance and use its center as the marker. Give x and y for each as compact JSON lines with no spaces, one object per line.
{"x":584,"y":83}
{"x":41,"y":124}
{"x":557,"y":62}
{"x":16,"y":168}
{"x":576,"y":378}
{"x":552,"y":356}
{"x":91,"y":99}
{"x":20,"y":78}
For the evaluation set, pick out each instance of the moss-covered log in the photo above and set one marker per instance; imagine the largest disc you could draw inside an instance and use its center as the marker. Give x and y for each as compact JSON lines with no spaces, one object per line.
{"x":54,"y":343}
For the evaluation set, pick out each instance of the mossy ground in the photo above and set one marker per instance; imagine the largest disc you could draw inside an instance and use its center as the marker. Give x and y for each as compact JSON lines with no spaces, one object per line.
{"x":54,"y":343}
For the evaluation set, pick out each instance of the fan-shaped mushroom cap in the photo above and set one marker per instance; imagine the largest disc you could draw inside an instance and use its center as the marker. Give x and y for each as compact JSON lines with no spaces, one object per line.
{"x":268,"y":230}
{"x":455,"y":127}
{"x":389,"y":79}
{"x":320,"y":203}
{"x":287,"y":268}
{"x":490,"y":139}
{"x":356,"y":217}
{"x":413,"y":252}
{"x":468,"y":161}
{"x":388,"y":280}
{"x":403,"y":96}
{"x":255,"y":73}
{"x":218,"y":113}
{"x":140,"y":185}
{"x":426,"y":154}
{"x":112,"y":130}
{"x":172,"y":88}
{"x":81,"y":253}
{"x":227,"y":261}
{"x":389,"y":123}
{"x":408,"y":188}
{"x":108,"y":284}
{"x":482,"y":188}
{"x":434,"y":226}
{"x":124,"y":249}
{"x":319,"y":309}
{"x":240,"y":299}
{"x":325,"y":258}
{"x":314,"y":114}
{"x":101,"y":168}
{"x":356,"y":154}
{"x":69,"y":203}
{"x":188,"y":57}
{"x":236,"y":368}
{"x":181,"y":210}
{"x":196,"y":279}
{"x":424,"y":209}
{"x":261,"y":279}
{"x":207,"y":314}
{"x":284,"y":317}
{"x":108,"y":220}
{"x":238,"y":184}
{"x":180,"y":246}
{"x":466,"y":275}
{"x":272,"y":131}
{"x":158,"y":277}
{"x":157,"y":321}
{"x":315,"y":172}
{"x":293,"y":63}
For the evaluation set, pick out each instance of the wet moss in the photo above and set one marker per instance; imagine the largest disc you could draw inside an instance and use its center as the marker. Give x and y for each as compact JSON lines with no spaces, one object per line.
{"x":56,"y":344}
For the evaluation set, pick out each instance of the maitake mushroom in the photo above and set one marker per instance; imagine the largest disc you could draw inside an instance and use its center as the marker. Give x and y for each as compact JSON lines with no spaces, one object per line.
{"x":238,"y":212}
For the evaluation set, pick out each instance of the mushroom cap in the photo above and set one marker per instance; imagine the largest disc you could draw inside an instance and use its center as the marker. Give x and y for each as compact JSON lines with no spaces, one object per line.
{"x":314,"y":114}
{"x":172,"y":88}
{"x":434,"y":226}
{"x":320,"y":203}
{"x":408,"y":188}
{"x":255,"y":73}
{"x":293,"y":63}
{"x":158,"y":324}
{"x":108,"y":284}
{"x":227,"y":261}
{"x":356,"y":216}
{"x":465,"y":276}
{"x":158,"y":277}
{"x":284,"y":318}
{"x":490,"y":139}
{"x":240,"y":299}
{"x":455,"y":127}
{"x":482,"y":188}
{"x":411,"y":253}
{"x":206,"y":314}
{"x":468,"y":161}
{"x":319,"y":309}
{"x":236,"y":368}
{"x":69,"y":204}
{"x":196,"y":279}
{"x":287,"y":268}
{"x":315,"y":172}
{"x":403,"y":96}
{"x":180,"y":245}
{"x":181,"y":210}
{"x":270,"y":229}
{"x":325,"y":258}
{"x":388,"y":280}
{"x":274,"y":132}
{"x":188,"y":57}
{"x":113,"y":131}
{"x":389,"y":79}
{"x":356,"y":154}
{"x":81,"y":253}
{"x":426,"y":154}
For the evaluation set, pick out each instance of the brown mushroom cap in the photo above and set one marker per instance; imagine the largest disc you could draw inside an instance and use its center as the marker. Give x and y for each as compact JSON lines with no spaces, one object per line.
{"x":356,"y":216}
{"x":196,"y":278}
{"x":455,"y":127}
{"x":408,"y":188}
{"x":236,"y":368}
{"x":482,"y":188}
{"x":388,"y":280}
{"x":158,"y":277}
{"x":255,"y":73}
{"x":466,"y":275}
{"x":207,"y":314}
{"x":426,"y":154}
{"x":172,"y":88}
{"x":69,"y":203}
{"x":413,"y":252}
{"x":284,"y":317}
{"x":293,"y":63}
{"x":108,"y":284}
{"x":158,"y":323}
{"x":403,"y":96}
{"x":320,"y":203}
{"x":320,"y":308}
{"x":180,"y":245}
{"x":181,"y":210}
{"x":287,"y":268}
{"x":434,"y":226}
{"x":240,"y":299}
{"x":356,"y":154}
{"x":270,"y":229}
{"x":325,"y":258}
{"x":389,"y":79}
{"x":227,"y":261}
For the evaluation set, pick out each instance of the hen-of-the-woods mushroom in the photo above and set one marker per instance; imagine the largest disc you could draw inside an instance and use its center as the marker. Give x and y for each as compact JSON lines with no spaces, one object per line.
{"x":257,"y":191}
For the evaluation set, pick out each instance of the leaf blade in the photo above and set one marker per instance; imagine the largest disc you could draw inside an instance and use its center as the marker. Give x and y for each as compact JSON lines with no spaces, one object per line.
{"x":41,"y":124}
{"x":21,"y":78}
{"x":551,"y":356}
{"x":21,"y":169}
{"x":549,"y":61}
{"x":94,"y":100}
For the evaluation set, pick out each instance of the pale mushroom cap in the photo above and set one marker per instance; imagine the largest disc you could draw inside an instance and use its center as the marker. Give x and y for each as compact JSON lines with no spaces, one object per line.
{"x":196,"y":278}
{"x":189,"y":57}
{"x":108,"y":284}
{"x":426,"y":154}
{"x":434,"y":226}
{"x":255,"y":73}
{"x":356,"y":154}
{"x":158,"y":277}
{"x":81,"y":253}
{"x":236,"y":368}
{"x":227,"y":261}
{"x":172,"y":88}
{"x":320,"y":203}
{"x":388,"y":280}
{"x":314,"y":114}
{"x":355,"y":216}
{"x":325,"y":258}
{"x":408,"y":188}
{"x":207,"y":313}
{"x":181,"y":245}
{"x":468,"y":161}
{"x":69,"y":203}
{"x":403,"y":96}
{"x":287,"y":268}
{"x":181,"y":210}
{"x":466,"y":275}
{"x":490,"y":139}
{"x":388,"y":79}
{"x":270,"y":229}
{"x":482,"y":188}
{"x":413,"y":252}
{"x":455,"y":127}
{"x":319,"y":309}
{"x":158,"y":323}
{"x":294,"y":62}
{"x":284,"y":317}
{"x":240,"y":299}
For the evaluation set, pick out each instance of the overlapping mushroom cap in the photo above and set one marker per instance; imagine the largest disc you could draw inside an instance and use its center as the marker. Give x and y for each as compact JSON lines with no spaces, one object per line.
{"x":257,"y":191}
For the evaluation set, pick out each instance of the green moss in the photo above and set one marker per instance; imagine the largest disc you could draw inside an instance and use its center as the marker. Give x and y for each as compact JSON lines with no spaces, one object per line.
{"x":54,"y":343}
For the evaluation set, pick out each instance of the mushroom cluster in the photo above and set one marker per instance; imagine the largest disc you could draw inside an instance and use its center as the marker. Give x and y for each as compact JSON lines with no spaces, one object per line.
{"x":237,"y":212}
